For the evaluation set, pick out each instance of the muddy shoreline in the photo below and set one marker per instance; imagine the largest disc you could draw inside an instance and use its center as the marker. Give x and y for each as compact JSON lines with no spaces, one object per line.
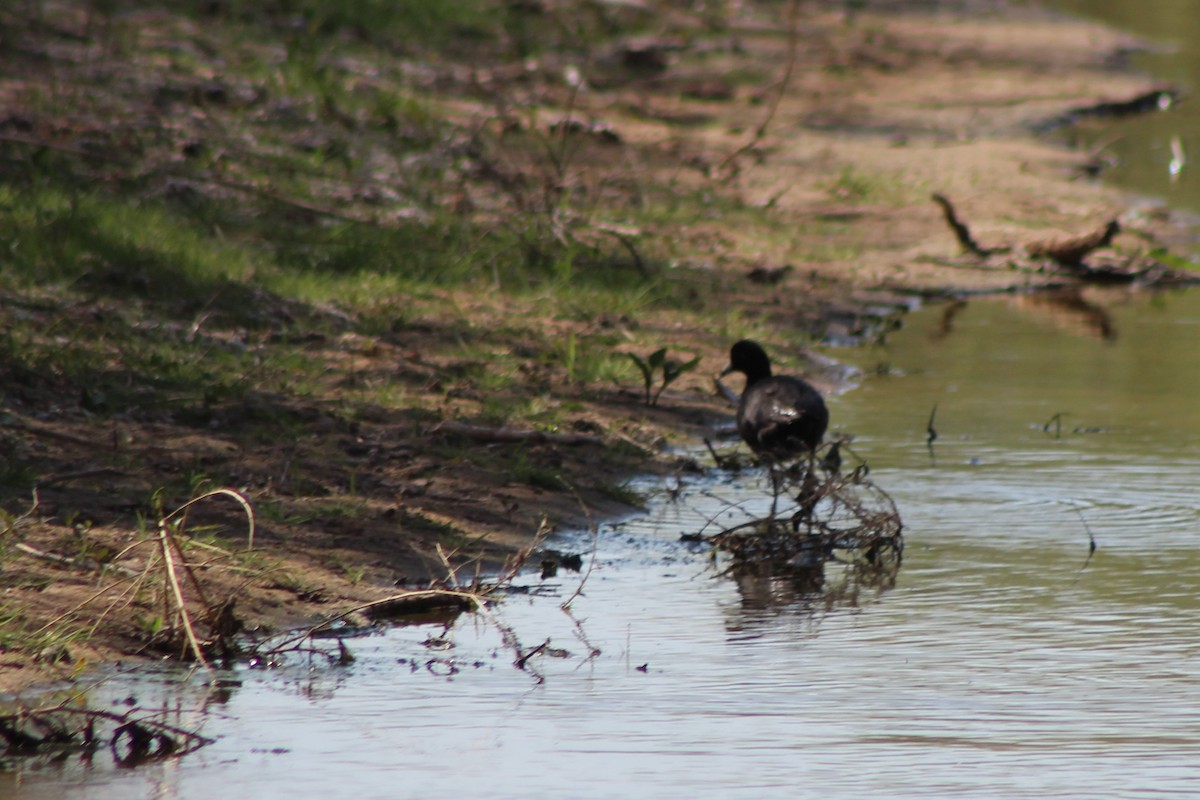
{"x":871,"y":119}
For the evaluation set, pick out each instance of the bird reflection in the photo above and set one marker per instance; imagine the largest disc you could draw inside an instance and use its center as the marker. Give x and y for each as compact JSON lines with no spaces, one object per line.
{"x":769,"y":586}
{"x":770,"y":589}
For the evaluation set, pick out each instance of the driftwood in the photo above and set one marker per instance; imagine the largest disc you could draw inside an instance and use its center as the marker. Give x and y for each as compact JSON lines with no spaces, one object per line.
{"x":77,"y":475}
{"x":482,"y":434}
{"x":961,"y":231}
{"x":1070,"y":252}
{"x":38,"y":428}
{"x":1067,"y":256}
{"x":88,"y":564}
{"x":1157,"y":99}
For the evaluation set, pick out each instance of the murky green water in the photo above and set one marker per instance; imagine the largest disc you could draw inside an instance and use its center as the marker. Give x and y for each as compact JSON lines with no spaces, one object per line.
{"x":998,"y":666}
{"x":1148,"y":148}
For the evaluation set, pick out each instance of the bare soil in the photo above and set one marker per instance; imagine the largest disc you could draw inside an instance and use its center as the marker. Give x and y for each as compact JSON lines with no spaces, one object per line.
{"x":874,"y":117}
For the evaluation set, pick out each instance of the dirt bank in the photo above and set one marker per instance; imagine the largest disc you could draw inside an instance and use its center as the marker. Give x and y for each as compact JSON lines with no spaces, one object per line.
{"x":803,"y":145}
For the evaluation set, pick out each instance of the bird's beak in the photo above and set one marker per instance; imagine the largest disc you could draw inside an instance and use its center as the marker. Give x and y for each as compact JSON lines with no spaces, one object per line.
{"x":726,"y":371}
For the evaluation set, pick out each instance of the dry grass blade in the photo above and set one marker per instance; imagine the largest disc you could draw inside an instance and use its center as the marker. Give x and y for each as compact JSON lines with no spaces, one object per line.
{"x":242,"y":501}
{"x":166,"y":548}
{"x":163,"y":585}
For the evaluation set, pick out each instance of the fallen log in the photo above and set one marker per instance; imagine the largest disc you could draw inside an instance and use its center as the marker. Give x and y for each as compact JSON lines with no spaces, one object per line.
{"x":1071,"y":251}
{"x":1072,"y":257}
{"x":1161,"y":98}
{"x":1157,"y":99}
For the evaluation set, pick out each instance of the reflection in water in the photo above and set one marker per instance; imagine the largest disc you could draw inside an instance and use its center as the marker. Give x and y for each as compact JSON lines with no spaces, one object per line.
{"x":1071,"y":310}
{"x":950,"y":311}
{"x":772,"y":586}
{"x":808,"y":589}
{"x":836,"y":536}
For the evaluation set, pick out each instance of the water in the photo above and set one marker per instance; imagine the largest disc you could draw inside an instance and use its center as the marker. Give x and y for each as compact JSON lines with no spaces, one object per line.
{"x":1147,"y":162}
{"x":1004,"y":663}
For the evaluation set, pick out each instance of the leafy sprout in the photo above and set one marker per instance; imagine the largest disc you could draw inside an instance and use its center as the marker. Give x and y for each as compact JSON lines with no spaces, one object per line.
{"x":658,"y":362}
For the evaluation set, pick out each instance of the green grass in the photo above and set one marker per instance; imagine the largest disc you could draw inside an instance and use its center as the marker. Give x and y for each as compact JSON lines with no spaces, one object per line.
{"x":622,"y":493}
{"x":405,"y":23}
{"x":856,"y":186}
{"x":259,"y":202}
{"x":18,"y":634}
{"x":523,"y":469}
{"x":55,"y":233}
{"x":300,"y":179}
{"x":590,"y":360}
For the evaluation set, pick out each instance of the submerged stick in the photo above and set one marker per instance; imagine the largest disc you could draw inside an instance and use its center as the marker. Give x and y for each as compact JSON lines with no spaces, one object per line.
{"x":1091,"y":542}
{"x":1091,"y":545}
{"x":1056,"y":421}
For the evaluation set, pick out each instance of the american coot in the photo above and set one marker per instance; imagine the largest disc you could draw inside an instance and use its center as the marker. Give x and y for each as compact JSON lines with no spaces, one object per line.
{"x":781,"y":417}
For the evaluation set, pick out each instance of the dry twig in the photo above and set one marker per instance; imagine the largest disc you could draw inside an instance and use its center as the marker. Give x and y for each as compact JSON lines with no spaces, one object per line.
{"x":843,"y":513}
{"x":761,"y":131}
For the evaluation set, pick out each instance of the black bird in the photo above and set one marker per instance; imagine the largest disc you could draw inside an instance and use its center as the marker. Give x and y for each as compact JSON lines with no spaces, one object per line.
{"x":781,"y":417}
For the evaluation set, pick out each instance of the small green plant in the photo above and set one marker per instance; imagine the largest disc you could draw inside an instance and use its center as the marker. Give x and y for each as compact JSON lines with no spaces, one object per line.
{"x":1172,"y":260}
{"x":852,"y":185}
{"x":622,"y":493}
{"x":352,"y":572}
{"x":570,"y":357}
{"x":48,"y":645}
{"x":658,"y":362}
{"x":529,"y":471}
{"x":10,"y":524}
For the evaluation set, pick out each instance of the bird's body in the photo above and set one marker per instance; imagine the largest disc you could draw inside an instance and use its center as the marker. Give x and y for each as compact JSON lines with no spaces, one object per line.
{"x":781,"y":417}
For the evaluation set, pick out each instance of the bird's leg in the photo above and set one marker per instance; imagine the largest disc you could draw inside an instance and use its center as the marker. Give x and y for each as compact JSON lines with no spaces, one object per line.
{"x":810,"y":490}
{"x":776,"y":486}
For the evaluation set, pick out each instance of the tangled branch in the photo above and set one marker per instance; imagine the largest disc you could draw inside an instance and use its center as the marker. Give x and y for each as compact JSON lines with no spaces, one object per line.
{"x":826,"y":514}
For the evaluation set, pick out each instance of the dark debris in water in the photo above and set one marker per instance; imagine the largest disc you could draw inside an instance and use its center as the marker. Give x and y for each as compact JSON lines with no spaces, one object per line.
{"x":819,"y":513}
{"x":132,"y":738}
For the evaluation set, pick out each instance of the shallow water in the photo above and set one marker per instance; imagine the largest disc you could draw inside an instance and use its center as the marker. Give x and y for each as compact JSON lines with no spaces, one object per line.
{"x":1002,"y":664}
{"x":1155,"y":154}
